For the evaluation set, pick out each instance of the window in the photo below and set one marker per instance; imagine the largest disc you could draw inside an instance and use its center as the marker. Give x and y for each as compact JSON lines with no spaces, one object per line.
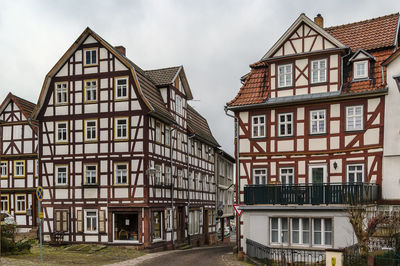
{"x":121,"y":88}
{"x":286,"y":175}
{"x":61,"y":95}
{"x":158,"y":174}
{"x":3,"y":169}
{"x":285,"y":122}
{"x":121,"y":173}
{"x":167,"y":136}
{"x":355,"y":173}
{"x":318,"y":71}
{"x":90,"y":174}
{"x":90,"y":55}
{"x":61,"y":132}
{"x":158,"y":131}
{"x":300,"y":231}
{"x":121,"y":128}
{"x":91,"y":130}
{"x":19,"y":168}
{"x":180,"y":178}
{"x":258,"y":126}
{"x":178,"y":104}
{"x":36,"y":167}
{"x":194,"y":218}
{"x":360,"y":69}
{"x":169,"y":218}
{"x":191,"y":179}
{"x":90,"y":90}
{"x":5,"y":203}
{"x":167,"y":175}
{"x":317,"y":122}
{"x":198,"y":145}
{"x":157,"y":225}
{"x":61,"y":175}
{"x":91,"y":221}
{"x":279,"y":230}
{"x":61,"y":220}
{"x":260,"y":176}
{"x":178,"y":140}
{"x":20,"y":203}
{"x":285,"y":75}
{"x":322,"y":232}
{"x":354,"y":118}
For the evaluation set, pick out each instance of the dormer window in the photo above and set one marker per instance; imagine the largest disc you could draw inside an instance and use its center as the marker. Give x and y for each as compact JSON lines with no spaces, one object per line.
{"x":285,"y":75}
{"x":90,"y":57}
{"x":178,"y":105}
{"x":361,"y":69}
{"x":318,"y":71}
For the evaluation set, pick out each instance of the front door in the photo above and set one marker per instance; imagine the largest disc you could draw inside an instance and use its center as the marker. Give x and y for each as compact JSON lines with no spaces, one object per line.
{"x":318,"y":176}
{"x":180,"y":224}
{"x":205,"y":226}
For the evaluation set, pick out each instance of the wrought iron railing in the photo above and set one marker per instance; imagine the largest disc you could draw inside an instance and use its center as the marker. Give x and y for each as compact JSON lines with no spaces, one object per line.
{"x":284,"y":256}
{"x":327,"y":193}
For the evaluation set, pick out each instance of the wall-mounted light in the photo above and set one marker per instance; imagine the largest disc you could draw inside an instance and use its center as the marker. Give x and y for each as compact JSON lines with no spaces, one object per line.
{"x":335,"y":165}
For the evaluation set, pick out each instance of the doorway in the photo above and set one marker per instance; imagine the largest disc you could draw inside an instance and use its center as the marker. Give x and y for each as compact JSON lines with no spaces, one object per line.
{"x":318,"y":175}
{"x":205,"y":227}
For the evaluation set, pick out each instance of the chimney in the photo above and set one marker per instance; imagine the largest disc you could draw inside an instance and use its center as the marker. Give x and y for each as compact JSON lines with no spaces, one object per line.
{"x":121,"y":49}
{"x":319,"y":20}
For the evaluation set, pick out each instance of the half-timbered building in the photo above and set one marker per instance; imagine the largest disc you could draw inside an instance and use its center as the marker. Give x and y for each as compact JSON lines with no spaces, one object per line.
{"x":18,"y":161}
{"x":122,"y":153}
{"x":310,"y":120}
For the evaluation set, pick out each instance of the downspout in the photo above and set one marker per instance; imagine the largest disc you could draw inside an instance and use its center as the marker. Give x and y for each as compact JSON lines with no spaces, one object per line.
{"x":172,"y":182}
{"x":383,"y":76}
{"x":238,"y":240}
{"x":188,"y":183}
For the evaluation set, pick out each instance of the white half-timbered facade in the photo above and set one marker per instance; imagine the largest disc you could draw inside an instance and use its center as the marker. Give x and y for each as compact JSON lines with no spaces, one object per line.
{"x":114,"y":151}
{"x":310,"y":118}
{"x":18,"y":162}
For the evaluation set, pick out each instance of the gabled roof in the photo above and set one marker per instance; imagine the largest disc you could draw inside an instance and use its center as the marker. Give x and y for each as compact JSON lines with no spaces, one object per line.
{"x":368,"y":34}
{"x":301,"y":19}
{"x":363,"y":52}
{"x":146,"y":87}
{"x":25,"y":106}
{"x":167,"y":76}
{"x":199,"y":127}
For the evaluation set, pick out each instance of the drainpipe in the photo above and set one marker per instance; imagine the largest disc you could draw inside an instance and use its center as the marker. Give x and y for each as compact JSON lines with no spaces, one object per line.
{"x":188,"y":181}
{"x":238,"y":240}
{"x":172,"y":181}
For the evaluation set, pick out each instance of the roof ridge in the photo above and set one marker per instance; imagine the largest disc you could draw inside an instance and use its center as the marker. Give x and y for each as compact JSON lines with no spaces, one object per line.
{"x":164,"y":68}
{"x":361,"y":21}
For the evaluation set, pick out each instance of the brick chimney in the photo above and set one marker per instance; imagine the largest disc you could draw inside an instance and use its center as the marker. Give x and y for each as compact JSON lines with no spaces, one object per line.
{"x":121,"y":49}
{"x":319,"y":20}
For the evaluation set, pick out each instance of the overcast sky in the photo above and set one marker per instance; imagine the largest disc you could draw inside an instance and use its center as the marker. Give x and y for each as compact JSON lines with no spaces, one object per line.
{"x":215,"y":41}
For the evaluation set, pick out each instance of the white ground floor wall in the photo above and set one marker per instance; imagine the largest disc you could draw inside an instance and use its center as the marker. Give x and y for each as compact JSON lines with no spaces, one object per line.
{"x":391,"y":177}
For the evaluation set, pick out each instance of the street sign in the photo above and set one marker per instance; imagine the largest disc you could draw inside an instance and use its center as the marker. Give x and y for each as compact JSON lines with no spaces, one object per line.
{"x":39,"y":193}
{"x":41,"y":215}
{"x":237,"y":209}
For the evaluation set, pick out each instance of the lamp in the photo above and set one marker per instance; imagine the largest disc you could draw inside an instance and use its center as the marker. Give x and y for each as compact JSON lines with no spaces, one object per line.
{"x":335,"y":165}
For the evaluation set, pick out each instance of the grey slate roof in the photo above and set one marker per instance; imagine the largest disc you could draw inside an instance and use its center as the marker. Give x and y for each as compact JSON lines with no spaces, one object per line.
{"x":199,"y":126}
{"x":163,"y":76}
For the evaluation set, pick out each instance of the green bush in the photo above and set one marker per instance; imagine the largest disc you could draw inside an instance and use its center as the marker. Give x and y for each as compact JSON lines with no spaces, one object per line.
{"x":8,"y":244}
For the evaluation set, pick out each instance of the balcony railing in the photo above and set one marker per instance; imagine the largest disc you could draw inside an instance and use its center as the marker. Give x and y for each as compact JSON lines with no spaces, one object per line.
{"x":329,"y":193}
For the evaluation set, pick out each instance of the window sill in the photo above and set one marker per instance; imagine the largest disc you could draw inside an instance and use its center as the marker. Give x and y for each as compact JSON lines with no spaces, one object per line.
{"x":318,"y":134}
{"x":258,"y":138}
{"x":90,"y":65}
{"x":60,"y":104}
{"x":121,"y":185}
{"x":285,"y":87}
{"x":360,"y":79}
{"x":18,"y":177}
{"x":354,"y":131}
{"x":90,"y":185}
{"x":285,"y":137}
{"x":121,"y":140}
{"x":121,"y":99}
{"x":89,"y":102}
{"x":61,"y":186}
{"x":318,"y":83}
{"x":62,"y":143}
{"x":90,"y":141}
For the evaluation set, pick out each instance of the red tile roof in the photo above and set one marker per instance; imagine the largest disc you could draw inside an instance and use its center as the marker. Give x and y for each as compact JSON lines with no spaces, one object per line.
{"x":376,"y":35}
{"x":368,"y":34}
{"x":26,"y":107}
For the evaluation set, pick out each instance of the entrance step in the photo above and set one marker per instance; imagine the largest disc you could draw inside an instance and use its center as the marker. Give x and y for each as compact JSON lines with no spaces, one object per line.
{"x":183,"y":246}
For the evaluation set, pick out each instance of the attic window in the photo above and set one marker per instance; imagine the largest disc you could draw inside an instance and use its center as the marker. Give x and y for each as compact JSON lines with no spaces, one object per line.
{"x":360,"y":69}
{"x":90,"y":57}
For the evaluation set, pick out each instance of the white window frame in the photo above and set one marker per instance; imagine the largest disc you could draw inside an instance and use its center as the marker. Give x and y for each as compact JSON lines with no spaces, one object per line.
{"x":119,"y":174}
{"x":286,"y":124}
{"x":18,"y":210}
{"x":118,"y":127}
{"x":3,"y":169}
{"x":286,"y":175}
{"x":260,"y":176}
{"x":169,"y":219}
{"x":90,"y":62}
{"x":353,"y":118}
{"x":61,"y":131}
{"x":301,"y":231}
{"x":180,"y":178}
{"x":325,"y":171}
{"x":5,"y":203}
{"x":178,"y":101}
{"x":256,"y":124}
{"x":178,"y":140}
{"x":19,"y":168}
{"x":355,"y":172}
{"x":90,"y":89}
{"x":168,"y":175}
{"x":280,"y":231}
{"x":167,"y":136}
{"x":89,"y":174}
{"x":158,"y":173}
{"x":96,"y":218}
{"x":61,"y":93}
{"x":36,"y":167}
{"x":91,"y":129}
{"x":57,"y":168}
{"x":286,"y":74}
{"x":364,"y":67}
{"x":323,"y":231}
{"x":119,"y":88}
{"x":158,"y":132}
{"x":320,"y":73}
{"x":317,"y":121}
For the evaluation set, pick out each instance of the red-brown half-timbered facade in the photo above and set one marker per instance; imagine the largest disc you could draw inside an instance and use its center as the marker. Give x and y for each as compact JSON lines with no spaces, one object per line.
{"x":310,"y":118}
{"x":18,"y":161}
{"x":123,"y":157}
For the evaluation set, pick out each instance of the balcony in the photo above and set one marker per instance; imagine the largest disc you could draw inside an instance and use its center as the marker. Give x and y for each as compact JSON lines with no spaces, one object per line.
{"x":315,"y":194}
